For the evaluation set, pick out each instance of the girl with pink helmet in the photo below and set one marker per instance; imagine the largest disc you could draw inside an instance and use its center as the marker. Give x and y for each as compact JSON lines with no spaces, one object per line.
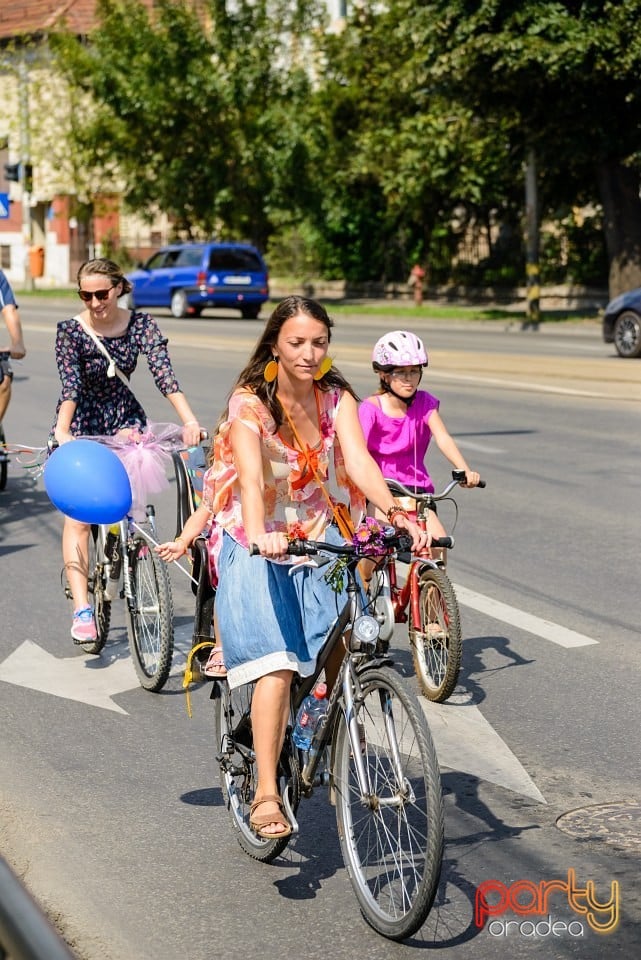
{"x":399,"y":420}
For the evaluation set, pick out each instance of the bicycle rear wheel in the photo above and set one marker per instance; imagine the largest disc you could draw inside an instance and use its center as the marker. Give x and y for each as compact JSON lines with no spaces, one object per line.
{"x":238,"y":775}
{"x":392,"y":840}
{"x":4,"y":459}
{"x":150,"y":616}
{"x":436,"y":641}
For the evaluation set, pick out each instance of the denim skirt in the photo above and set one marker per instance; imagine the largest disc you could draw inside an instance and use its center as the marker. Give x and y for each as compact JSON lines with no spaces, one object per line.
{"x":272,"y":616}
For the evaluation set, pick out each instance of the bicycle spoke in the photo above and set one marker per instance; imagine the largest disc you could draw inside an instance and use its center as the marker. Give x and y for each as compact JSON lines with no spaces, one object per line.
{"x":392,"y":838}
{"x":150,"y":609}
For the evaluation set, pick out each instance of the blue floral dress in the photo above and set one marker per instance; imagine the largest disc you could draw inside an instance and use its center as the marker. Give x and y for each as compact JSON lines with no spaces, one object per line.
{"x":105,"y":404}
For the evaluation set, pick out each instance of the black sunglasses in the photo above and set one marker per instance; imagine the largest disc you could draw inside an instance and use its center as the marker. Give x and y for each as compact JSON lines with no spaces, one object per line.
{"x":88,"y":295}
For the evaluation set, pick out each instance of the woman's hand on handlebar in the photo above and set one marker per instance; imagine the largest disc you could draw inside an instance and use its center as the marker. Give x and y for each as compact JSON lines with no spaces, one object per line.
{"x":272,"y":545}
{"x":420,"y":538}
{"x":193,"y":433}
{"x":472,"y":479}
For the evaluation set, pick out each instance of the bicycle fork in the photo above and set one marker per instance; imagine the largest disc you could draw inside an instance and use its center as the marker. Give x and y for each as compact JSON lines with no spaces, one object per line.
{"x":353,"y":699}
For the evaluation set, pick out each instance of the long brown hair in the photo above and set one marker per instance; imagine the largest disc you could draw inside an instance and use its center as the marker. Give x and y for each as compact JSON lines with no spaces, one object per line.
{"x":252,"y":376}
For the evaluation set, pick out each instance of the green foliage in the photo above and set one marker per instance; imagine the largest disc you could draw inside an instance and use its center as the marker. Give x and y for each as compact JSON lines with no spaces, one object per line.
{"x":573,"y":251}
{"x":400,"y":139}
{"x":197,"y":115}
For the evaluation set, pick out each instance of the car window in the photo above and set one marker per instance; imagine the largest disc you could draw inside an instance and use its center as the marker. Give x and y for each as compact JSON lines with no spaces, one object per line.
{"x":237,"y":260}
{"x":190,"y":257}
{"x":162,"y":259}
{"x":157,"y":261}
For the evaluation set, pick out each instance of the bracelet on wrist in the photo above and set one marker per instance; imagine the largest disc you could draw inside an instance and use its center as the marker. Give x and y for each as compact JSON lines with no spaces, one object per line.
{"x":183,"y":541}
{"x":396,"y":511}
{"x":191,"y":423}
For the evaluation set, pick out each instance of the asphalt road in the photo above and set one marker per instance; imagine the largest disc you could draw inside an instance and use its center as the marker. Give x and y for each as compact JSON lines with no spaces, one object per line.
{"x":109,"y":800}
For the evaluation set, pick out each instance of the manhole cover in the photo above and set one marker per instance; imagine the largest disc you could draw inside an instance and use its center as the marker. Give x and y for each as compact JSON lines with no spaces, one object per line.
{"x":616,"y":823}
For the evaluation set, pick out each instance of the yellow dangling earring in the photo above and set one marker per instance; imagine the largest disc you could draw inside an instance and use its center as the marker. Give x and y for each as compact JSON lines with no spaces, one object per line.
{"x":325,"y":367}
{"x":271,"y":370}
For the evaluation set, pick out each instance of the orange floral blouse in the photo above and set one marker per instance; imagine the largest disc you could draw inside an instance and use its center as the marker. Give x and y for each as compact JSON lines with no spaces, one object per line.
{"x":294,"y":503}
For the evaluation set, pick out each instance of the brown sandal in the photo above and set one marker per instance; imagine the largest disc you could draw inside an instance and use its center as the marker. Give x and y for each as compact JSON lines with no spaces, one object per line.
{"x":257,"y":823}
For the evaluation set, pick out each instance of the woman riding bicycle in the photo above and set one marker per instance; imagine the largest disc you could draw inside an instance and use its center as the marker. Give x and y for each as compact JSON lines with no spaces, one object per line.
{"x":95,"y":402}
{"x":399,"y":420}
{"x":289,"y":435}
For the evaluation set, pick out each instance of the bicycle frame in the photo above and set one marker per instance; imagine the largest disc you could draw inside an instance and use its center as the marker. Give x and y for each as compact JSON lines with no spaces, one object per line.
{"x":409,"y":592}
{"x":346,"y":687}
{"x":125,"y":533}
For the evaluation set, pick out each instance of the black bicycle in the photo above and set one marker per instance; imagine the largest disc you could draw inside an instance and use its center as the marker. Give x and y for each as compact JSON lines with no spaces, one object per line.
{"x":374,"y":751}
{"x":122,"y":563}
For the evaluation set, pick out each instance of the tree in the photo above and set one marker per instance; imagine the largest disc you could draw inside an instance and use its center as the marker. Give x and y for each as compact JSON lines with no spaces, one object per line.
{"x":400,"y":160}
{"x":565,"y":76}
{"x":185,"y":108}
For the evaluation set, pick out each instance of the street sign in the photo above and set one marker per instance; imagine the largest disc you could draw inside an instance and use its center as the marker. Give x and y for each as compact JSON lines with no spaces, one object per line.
{"x":4,"y":206}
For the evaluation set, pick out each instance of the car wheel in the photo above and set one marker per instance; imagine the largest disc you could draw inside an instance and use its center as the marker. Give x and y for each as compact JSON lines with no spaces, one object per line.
{"x":627,"y":334}
{"x":251,"y":312}
{"x":178,"y":304}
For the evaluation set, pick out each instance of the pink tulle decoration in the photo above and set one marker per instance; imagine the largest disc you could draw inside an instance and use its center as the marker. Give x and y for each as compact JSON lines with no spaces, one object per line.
{"x":145,"y":456}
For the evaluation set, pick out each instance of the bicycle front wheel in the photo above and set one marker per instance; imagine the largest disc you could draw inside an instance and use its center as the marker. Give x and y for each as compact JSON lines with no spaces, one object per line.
{"x":436,"y":641}
{"x":150,"y":616}
{"x":391,"y":838}
{"x":238,"y":774}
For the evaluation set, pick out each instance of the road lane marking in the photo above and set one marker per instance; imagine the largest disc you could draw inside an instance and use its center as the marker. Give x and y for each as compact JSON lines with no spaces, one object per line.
{"x":93,"y":680}
{"x":77,"y":678}
{"x":465,"y":741}
{"x":545,"y":629}
{"x":478,"y":447}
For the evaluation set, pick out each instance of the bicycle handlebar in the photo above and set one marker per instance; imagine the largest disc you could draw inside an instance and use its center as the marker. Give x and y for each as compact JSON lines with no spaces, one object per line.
{"x":458,"y":478}
{"x":399,"y":541}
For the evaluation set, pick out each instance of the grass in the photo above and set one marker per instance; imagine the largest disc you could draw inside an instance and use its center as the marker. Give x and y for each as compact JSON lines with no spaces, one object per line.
{"x":436,"y":311}
{"x":389,"y":308}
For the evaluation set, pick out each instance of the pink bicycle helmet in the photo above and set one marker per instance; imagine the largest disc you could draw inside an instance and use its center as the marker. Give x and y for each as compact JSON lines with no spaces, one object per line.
{"x":399,"y":349}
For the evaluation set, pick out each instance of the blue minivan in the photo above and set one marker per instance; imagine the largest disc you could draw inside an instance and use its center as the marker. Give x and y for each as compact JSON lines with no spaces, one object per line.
{"x":187,"y":277}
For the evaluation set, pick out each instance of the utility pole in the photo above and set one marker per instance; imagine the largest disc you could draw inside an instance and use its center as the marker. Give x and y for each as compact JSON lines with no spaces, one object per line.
{"x":25,"y":166}
{"x":532,"y":243}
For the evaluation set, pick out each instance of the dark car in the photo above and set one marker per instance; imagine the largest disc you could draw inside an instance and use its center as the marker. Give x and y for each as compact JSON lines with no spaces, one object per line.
{"x":622,"y":323}
{"x":187,"y":277}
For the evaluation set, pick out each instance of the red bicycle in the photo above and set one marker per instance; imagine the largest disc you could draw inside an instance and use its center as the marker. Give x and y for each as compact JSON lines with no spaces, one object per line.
{"x":428,"y":595}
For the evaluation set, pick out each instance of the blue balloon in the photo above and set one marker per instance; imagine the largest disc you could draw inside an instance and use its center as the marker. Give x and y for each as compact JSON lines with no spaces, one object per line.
{"x":86,"y":481}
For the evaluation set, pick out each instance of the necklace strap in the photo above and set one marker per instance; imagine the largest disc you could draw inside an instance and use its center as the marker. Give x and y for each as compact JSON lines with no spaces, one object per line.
{"x":305,"y":450}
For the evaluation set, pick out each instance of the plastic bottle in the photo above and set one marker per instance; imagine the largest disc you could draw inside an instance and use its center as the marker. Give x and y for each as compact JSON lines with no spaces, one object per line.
{"x":313,"y":707}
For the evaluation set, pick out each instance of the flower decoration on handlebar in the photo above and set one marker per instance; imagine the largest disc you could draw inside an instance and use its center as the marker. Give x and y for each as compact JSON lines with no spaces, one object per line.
{"x":369,"y":537}
{"x":369,"y":541}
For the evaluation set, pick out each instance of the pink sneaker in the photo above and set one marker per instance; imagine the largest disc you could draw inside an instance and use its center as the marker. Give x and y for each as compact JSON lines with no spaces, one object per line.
{"x":83,"y":626}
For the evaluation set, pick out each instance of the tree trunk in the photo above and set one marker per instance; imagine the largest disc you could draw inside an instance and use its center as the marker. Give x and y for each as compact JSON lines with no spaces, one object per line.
{"x":619,"y":188}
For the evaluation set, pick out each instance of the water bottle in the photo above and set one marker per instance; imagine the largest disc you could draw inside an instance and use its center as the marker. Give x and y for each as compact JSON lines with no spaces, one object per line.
{"x":311,"y":710}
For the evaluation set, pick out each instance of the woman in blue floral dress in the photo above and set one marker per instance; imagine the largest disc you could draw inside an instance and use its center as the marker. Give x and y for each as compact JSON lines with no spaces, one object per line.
{"x":92,"y":402}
